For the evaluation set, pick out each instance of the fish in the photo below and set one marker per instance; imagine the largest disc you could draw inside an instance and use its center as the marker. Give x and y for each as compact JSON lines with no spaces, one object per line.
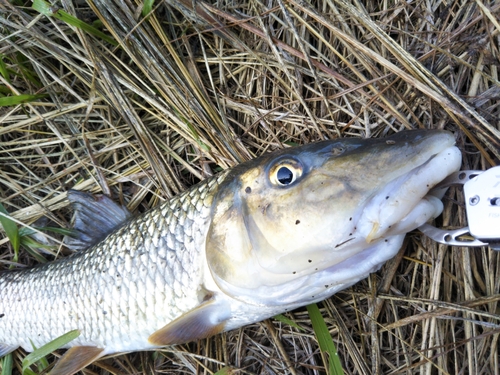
{"x":281,"y":231}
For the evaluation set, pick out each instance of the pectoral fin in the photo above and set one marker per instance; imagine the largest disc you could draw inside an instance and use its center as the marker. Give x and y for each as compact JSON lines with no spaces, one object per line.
{"x":75,"y":359}
{"x":206,"y":320}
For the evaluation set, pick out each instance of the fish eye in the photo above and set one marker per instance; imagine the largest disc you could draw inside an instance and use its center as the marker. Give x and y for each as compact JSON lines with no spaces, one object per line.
{"x":285,"y":176}
{"x":285,"y":172}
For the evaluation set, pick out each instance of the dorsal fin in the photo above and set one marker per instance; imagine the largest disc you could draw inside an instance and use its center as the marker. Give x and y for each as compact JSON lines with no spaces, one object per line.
{"x":75,"y":359}
{"x":206,"y":320}
{"x":95,"y":218}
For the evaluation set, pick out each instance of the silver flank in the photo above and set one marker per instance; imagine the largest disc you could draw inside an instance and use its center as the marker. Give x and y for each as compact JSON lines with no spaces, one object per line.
{"x":117,"y":292}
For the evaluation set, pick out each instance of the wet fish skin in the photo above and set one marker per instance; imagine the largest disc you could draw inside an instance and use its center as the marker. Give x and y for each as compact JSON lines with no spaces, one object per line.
{"x":235,"y":249}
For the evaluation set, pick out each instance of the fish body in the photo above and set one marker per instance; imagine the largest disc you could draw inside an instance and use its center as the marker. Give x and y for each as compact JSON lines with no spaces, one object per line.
{"x":278,"y":232}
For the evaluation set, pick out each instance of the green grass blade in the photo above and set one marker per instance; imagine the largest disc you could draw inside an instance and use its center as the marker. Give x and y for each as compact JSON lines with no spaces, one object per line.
{"x":147,"y":7}
{"x":62,"y":231}
{"x":5,"y":90}
{"x":283,"y":319}
{"x":10,"y":228}
{"x":26,"y":231}
{"x":40,"y":353}
{"x":8,"y":101}
{"x":31,"y":246}
{"x":3,"y":69}
{"x":325,"y":341}
{"x":47,"y":9}
{"x":225,"y":371}
{"x":7,"y":364}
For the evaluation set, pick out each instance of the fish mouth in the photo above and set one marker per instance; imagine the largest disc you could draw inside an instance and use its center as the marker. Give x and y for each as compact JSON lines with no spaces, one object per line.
{"x":409,"y":201}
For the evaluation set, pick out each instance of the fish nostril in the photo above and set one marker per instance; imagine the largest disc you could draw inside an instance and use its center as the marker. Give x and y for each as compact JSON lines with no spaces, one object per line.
{"x":337,"y":150}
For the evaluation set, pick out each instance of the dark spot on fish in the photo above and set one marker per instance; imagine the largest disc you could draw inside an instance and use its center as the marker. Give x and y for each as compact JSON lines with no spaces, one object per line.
{"x":386,"y":240}
{"x":207,"y":296}
{"x":390,"y":142}
{"x":350,"y":234}
{"x":297,"y":222}
{"x":2,"y":315}
{"x":294,"y":272}
{"x":315,"y":269}
{"x":309,"y":260}
{"x":248,"y":190}
{"x":389,"y":227}
{"x":104,"y":313}
{"x":350,"y":219}
{"x":326,"y":286}
{"x":387,"y":197}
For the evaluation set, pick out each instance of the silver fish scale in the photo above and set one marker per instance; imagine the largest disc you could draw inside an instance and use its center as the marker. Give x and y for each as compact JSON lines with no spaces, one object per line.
{"x":119,"y":291}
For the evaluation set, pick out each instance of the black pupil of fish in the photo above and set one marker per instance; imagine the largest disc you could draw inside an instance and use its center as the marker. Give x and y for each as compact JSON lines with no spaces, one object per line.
{"x":284,"y":176}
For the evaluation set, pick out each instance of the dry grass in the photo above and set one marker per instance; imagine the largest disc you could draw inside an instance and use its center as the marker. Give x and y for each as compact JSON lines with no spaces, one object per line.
{"x":187,"y":92}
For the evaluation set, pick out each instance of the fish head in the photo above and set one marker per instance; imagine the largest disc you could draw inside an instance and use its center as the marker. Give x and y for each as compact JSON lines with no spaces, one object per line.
{"x":289,"y":219}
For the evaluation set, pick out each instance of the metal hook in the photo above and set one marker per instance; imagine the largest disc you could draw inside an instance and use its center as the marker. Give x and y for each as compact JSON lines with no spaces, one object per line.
{"x":450,"y":237}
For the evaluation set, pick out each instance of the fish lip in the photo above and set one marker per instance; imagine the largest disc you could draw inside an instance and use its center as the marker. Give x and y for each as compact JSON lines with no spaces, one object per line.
{"x":408,"y":196}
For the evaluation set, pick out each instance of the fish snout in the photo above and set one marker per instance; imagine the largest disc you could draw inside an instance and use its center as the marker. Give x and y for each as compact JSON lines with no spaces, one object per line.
{"x":404,"y":203}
